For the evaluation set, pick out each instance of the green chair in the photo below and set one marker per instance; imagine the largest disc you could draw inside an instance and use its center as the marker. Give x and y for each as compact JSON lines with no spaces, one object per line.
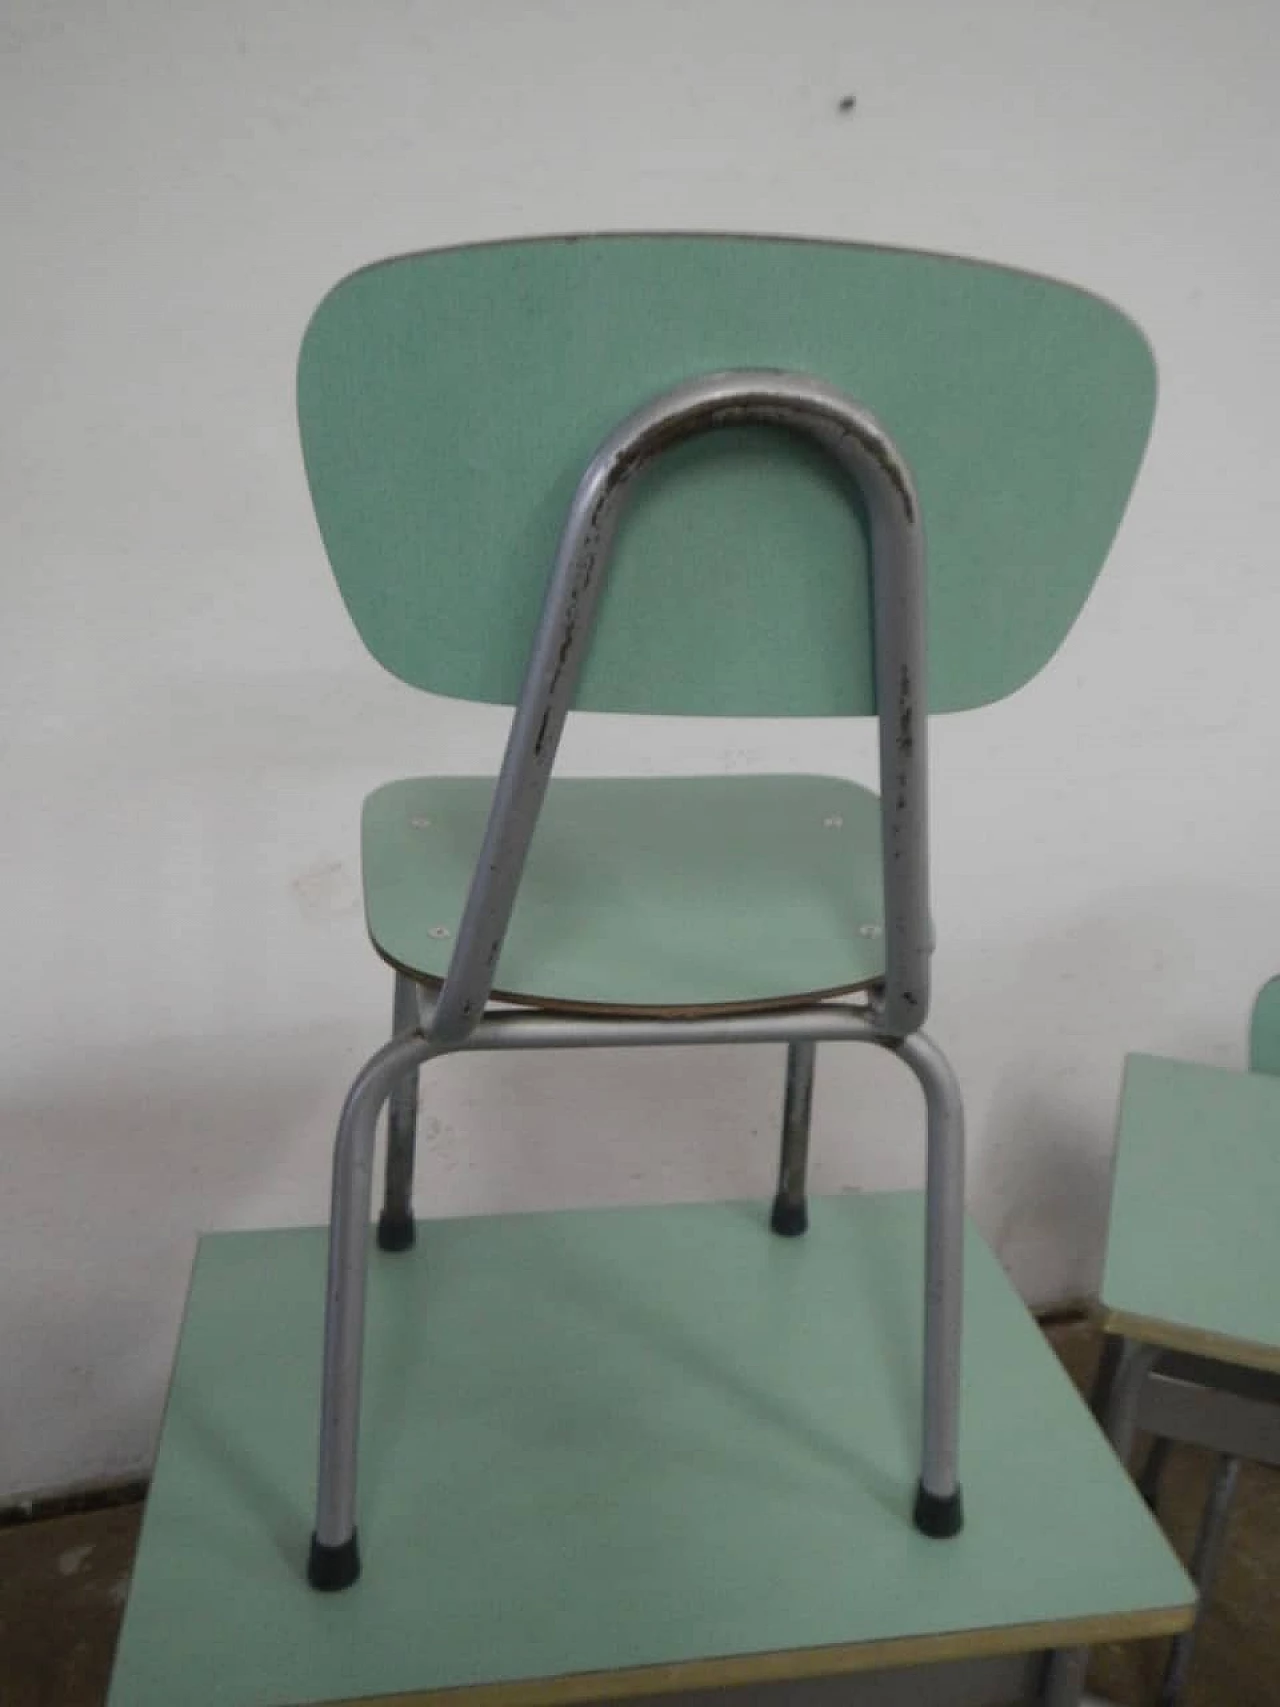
{"x":726,"y":451}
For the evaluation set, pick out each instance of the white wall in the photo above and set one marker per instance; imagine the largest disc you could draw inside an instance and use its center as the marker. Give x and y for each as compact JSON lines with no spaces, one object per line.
{"x":190,"y":723}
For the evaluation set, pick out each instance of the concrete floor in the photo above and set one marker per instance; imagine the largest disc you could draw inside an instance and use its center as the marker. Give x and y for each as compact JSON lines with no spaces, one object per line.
{"x":63,"y":1584}
{"x":64,"y":1581}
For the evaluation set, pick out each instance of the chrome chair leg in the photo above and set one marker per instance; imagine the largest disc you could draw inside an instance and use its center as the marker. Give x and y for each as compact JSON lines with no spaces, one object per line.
{"x":790,"y":1215}
{"x":334,"y":1561}
{"x":939,"y":1509}
{"x":395,"y":1223}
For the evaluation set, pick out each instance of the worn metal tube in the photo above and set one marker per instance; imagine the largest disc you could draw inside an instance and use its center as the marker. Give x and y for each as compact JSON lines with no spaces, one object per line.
{"x":859,"y":445}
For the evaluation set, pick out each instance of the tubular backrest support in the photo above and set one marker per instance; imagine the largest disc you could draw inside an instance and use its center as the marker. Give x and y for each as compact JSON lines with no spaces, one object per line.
{"x":1264,"y":1029}
{"x":878,"y":479}
{"x":449,"y":402}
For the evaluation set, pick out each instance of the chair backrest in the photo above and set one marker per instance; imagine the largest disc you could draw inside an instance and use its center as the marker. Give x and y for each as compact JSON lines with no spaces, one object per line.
{"x":449,"y":401}
{"x":1264,"y":1029}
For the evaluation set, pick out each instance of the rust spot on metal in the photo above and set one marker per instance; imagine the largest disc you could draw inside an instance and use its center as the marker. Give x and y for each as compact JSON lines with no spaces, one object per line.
{"x":567,"y":637}
{"x":906,"y":715}
{"x":878,"y":451}
{"x":675,"y":430}
{"x":749,"y":410}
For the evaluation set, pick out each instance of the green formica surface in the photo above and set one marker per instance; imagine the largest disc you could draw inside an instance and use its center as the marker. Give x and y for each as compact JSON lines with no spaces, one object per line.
{"x":1193,"y":1256}
{"x":449,"y":402}
{"x":611,"y":1450}
{"x":663,"y":893}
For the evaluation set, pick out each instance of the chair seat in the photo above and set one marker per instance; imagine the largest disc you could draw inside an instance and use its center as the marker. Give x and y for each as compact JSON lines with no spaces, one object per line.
{"x":654,"y":894}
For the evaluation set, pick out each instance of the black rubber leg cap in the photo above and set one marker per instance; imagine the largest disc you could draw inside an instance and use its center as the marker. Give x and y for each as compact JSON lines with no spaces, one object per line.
{"x":789,"y":1219}
{"x":332,"y":1568}
{"x":395,"y":1232}
{"x":940,"y":1516}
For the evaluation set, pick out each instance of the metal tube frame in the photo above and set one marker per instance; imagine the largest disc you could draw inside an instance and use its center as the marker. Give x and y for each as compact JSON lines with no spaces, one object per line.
{"x":1151,"y":1479}
{"x":1226,"y":1408}
{"x":863,"y":450}
{"x":456,"y":1018}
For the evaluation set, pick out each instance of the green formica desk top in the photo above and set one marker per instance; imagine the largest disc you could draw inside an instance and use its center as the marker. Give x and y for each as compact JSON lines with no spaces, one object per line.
{"x":1193,"y":1255}
{"x":611,"y":1452}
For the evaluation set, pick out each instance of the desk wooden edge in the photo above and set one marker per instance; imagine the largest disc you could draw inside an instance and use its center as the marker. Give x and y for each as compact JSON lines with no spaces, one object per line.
{"x":794,"y":1665}
{"x":1199,"y":1342}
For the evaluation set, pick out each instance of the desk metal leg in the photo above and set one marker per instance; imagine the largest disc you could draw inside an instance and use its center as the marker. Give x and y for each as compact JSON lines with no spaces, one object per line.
{"x":1123,"y":1373}
{"x":1205,"y":1560}
{"x":1105,"y":1379}
{"x":1153,"y":1471}
{"x":1120,"y":1417}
